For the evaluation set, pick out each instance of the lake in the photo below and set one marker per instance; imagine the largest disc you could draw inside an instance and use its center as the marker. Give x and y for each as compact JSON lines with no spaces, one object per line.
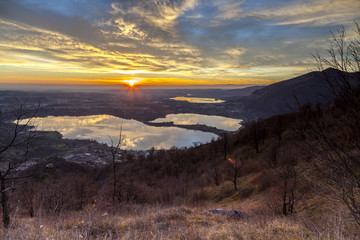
{"x":138,"y":136}
{"x":223,"y":123}
{"x":198,"y":100}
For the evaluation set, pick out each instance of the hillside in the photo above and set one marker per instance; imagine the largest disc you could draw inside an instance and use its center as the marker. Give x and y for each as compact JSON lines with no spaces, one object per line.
{"x":289,"y":95}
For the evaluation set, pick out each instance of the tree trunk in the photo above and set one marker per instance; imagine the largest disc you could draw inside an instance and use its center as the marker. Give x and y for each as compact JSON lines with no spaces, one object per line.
{"x":235,"y":178}
{"x":114,"y":183}
{"x":4,"y":202}
{"x":256,"y":145}
{"x":225,"y":147}
{"x":292,"y":202}
{"x":216,"y":177}
{"x":284,"y":210}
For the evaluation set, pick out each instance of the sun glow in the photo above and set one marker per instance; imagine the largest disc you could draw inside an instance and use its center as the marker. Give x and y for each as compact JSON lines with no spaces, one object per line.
{"x":131,"y":83}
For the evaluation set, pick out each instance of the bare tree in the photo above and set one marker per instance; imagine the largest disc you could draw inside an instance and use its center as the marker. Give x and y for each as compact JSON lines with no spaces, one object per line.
{"x":236,"y":163}
{"x":279,"y":127}
{"x":272,"y":154}
{"x":215,"y":169}
{"x":114,"y":150}
{"x":291,"y":184}
{"x":225,"y":144}
{"x":344,"y":56}
{"x":288,"y":175}
{"x":257,"y":134}
{"x":335,"y":141}
{"x":14,"y":135}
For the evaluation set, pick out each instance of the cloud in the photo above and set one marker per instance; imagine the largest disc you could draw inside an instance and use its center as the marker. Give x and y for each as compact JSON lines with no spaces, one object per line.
{"x":128,"y":30}
{"x":196,"y":16}
{"x":161,"y":15}
{"x":120,"y":44}
{"x":25,"y":41}
{"x":229,"y":10}
{"x":72,"y":26}
{"x":305,"y":12}
{"x":311,"y":13}
{"x":235,"y":51}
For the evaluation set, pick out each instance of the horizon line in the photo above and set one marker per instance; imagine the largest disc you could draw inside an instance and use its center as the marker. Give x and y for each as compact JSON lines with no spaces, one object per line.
{"x":12,"y":86}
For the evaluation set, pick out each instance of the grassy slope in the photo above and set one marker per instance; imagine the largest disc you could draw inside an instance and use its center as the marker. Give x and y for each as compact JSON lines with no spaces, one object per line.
{"x":157,"y":222}
{"x":312,"y":221}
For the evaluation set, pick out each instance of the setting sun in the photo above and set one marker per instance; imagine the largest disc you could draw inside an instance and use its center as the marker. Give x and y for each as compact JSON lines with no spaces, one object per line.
{"x":131,"y":83}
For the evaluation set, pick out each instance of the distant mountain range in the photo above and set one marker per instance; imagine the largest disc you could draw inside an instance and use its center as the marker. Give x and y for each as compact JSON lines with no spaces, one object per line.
{"x":289,"y":95}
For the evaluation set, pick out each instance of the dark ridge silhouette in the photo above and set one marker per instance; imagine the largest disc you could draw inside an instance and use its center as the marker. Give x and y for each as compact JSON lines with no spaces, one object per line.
{"x":289,"y":95}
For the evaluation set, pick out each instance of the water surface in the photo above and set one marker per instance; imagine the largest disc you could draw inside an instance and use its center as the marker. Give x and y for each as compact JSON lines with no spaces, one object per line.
{"x":138,"y":136}
{"x":198,"y":100}
{"x":223,"y":123}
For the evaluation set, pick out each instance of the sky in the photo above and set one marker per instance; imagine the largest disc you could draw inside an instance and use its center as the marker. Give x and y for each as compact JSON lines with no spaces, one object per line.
{"x":162,"y":42}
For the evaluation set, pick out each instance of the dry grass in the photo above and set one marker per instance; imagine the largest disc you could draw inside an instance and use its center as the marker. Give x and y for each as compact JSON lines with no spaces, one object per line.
{"x":316,"y":218}
{"x":146,"y":222}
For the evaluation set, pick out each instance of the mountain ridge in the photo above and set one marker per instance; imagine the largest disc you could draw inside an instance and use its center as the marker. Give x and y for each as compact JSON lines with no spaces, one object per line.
{"x":289,"y":95}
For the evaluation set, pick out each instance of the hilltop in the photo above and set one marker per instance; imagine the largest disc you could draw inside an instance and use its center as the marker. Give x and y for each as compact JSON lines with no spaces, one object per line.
{"x":289,"y":95}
